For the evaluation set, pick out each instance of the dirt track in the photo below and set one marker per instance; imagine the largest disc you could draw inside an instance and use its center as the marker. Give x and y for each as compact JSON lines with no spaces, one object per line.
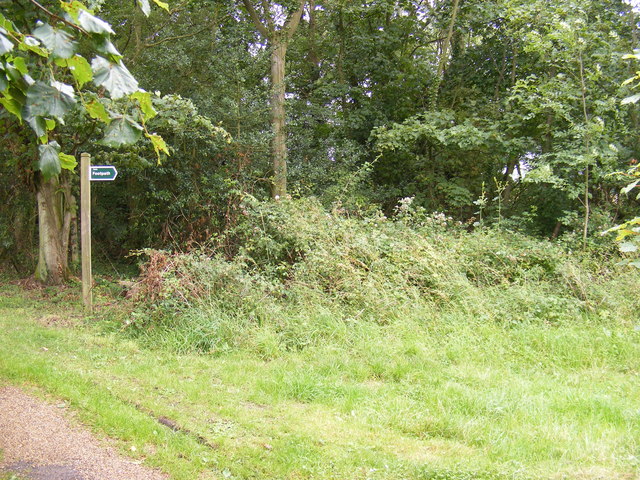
{"x":40,"y":441}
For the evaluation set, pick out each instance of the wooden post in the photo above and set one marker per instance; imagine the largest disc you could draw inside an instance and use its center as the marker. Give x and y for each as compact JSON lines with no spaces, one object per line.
{"x":85,"y":231}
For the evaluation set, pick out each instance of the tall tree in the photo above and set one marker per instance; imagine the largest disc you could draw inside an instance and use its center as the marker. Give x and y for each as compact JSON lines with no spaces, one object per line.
{"x":42,"y":79}
{"x":278,"y":34}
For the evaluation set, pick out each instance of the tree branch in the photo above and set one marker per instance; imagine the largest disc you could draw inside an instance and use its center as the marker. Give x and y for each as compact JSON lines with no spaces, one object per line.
{"x":177,"y":37}
{"x":447,"y":44}
{"x":58,"y":17}
{"x":255,"y":19}
{"x":266,"y":9}
{"x":294,"y":20}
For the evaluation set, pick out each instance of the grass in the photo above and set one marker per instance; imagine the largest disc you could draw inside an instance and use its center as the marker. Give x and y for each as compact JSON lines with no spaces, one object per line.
{"x":432,"y":395}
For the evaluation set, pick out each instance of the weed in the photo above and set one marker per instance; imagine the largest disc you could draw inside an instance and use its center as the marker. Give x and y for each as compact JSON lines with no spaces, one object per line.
{"x":341,"y":348}
{"x":304,"y":276}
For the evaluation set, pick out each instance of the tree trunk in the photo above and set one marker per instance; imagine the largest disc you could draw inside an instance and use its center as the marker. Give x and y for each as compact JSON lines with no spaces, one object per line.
{"x":54,"y":224}
{"x":74,"y":241}
{"x":444,"y":53}
{"x":587,"y":142}
{"x":508,"y":179}
{"x":279,"y":149}
{"x":279,"y":40}
{"x":313,"y":57}
{"x":340,"y":61}
{"x":24,"y":229}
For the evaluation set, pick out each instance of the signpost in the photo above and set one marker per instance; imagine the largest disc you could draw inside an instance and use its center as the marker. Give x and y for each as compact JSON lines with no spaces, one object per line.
{"x":88,"y":173}
{"x":103,"y":173}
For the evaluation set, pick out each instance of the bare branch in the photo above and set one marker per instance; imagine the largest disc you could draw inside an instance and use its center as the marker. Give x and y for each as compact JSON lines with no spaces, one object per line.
{"x":177,"y":37}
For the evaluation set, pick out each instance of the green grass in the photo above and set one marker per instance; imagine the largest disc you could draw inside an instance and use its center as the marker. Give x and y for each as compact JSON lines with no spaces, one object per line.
{"x":429,"y":396}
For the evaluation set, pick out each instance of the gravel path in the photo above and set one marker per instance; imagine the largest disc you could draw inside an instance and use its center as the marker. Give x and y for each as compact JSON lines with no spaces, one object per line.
{"x":39,"y":442}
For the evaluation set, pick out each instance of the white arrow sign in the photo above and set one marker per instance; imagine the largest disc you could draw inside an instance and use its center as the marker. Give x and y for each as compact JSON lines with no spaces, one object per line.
{"x":102,"y":173}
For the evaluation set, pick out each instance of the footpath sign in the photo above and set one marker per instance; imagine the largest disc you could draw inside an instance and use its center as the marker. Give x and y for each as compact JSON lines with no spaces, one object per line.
{"x":102,"y":173}
{"x":88,"y":173}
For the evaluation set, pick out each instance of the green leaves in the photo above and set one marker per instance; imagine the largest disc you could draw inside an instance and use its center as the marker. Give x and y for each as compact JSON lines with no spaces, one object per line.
{"x":80,"y":69}
{"x":31,"y":44}
{"x":145,"y":7}
{"x":159,"y":145}
{"x":104,"y":46}
{"x":68,"y":162}
{"x":44,"y":103}
{"x":114,"y":77}
{"x":93,"y":24}
{"x":6,"y":25}
{"x":20,"y":65}
{"x":58,"y":41}
{"x":96,"y":110}
{"x":49,"y":162}
{"x":630,"y":187}
{"x":49,"y":100}
{"x":11,"y":105}
{"x":144,"y":99}
{"x":5,"y":45}
{"x":631,"y":99}
{"x":163,"y":5}
{"x":122,"y":131}
{"x":38,"y":125}
{"x":628,"y":247}
{"x":73,"y":8}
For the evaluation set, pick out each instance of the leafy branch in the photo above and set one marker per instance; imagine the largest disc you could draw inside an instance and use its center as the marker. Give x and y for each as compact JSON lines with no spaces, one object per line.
{"x":43,"y":104}
{"x":59,"y":18}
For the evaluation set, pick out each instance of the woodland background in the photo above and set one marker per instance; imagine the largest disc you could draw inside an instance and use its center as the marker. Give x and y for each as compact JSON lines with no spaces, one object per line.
{"x":348,"y":239}
{"x":487,"y":112}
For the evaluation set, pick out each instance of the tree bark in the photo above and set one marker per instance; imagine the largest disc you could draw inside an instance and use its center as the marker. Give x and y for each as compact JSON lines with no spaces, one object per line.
{"x":444,"y":54}
{"x":340,"y":60}
{"x":74,"y":241}
{"x":278,"y":40}
{"x":587,"y":141}
{"x":278,"y":56}
{"x":508,"y":179}
{"x":447,"y":43}
{"x":314,"y":59}
{"x":54,"y":224}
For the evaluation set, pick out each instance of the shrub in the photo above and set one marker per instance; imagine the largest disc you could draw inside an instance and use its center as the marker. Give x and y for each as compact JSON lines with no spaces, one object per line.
{"x":494,"y":257}
{"x":304,"y":275}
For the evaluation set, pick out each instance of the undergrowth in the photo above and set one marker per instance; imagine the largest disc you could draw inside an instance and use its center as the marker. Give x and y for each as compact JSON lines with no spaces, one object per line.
{"x":336,"y":346}
{"x":304,"y":276}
